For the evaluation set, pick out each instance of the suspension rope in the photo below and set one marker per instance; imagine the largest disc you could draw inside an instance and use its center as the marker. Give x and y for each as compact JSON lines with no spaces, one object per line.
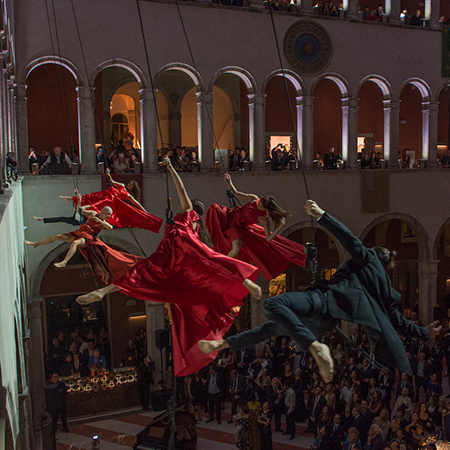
{"x":137,"y":242}
{"x":201,"y":91}
{"x":312,"y":250}
{"x":169,"y":212}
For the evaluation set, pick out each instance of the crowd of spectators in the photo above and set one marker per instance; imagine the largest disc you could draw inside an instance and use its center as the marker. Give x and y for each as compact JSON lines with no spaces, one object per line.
{"x":364,"y":407}
{"x":282,"y":158}
{"x":183,"y":159}
{"x":72,"y":352}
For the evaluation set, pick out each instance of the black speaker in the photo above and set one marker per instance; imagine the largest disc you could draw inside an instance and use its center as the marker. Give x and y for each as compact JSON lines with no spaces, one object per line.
{"x":160,"y":399}
{"x":51,"y":402}
{"x":161,"y":339}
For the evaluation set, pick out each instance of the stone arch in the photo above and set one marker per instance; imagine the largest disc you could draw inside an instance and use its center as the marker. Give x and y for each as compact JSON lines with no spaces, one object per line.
{"x":423,"y":240}
{"x":243,"y":74}
{"x":421,"y":85}
{"x":41,"y":267}
{"x":124,"y":64}
{"x":192,"y":73}
{"x":340,"y":81}
{"x":438,"y":238}
{"x":381,"y":82}
{"x":297,"y":81}
{"x":50,"y":59}
{"x":307,"y":224}
{"x":440,"y":89}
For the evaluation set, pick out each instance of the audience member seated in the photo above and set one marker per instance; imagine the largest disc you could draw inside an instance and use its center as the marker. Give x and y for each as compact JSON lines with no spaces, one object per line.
{"x":235,"y":160}
{"x":57,"y":163}
{"x":121,"y":165}
{"x":96,"y":362}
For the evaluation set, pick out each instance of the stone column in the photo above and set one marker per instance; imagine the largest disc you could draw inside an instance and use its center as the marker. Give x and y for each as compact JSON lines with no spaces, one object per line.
{"x":155,"y":321}
{"x":20,"y":104}
{"x":392,"y":10}
{"x":257,"y":130}
{"x":299,"y":125}
{"x":307,"y":131}
{"x":350,"y":131}
{"x":258,"y":317}
{"x":12,"y":118}
{"x":205,"y":132}
{"x":86,"y":128}
{"x":175,"y":126}
{"x":427,"y":290}
{"x":394,"y":124}
{"x":306,"y":7}
{"x":149,"y":130}
{"x":351,"y":9}
{"x":36,"y":361}
{"x":429,"y":132}
{"x":432,"y":13}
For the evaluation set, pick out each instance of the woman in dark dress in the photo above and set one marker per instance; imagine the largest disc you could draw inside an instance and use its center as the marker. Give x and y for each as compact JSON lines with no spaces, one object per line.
{"x":265,"y":429}
{"x":196,"y":393}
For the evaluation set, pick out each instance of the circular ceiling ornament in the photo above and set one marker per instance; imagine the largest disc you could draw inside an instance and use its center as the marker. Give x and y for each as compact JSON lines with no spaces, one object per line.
{"x":307,"y":47}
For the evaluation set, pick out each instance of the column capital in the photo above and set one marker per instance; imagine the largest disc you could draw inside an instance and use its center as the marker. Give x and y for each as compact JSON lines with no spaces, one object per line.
{"x":34,"y":308}
{"x":147,"y":93}
{"x":153,"y":305}
{"x":428,"y":267}
{"x":308,"y":100}
{"x":391,"y":104}
{"x":349,"y":102}
{"x":85,"y":92}
{"x":204,"y":97}
{"x":257,"y":98}
{"x":431,"y":106}
{"x":20,"y":90}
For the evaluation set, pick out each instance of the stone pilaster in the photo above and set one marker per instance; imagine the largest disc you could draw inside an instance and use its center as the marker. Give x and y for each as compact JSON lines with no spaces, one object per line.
{"x":351,"y":9}
{"x":429,"y":132}
{"x":394,"y":129}
{"x":307,"y":131}
{"x":149,"y":130}
{"x":257,"y":120}
{"x":350,"y":131}
{"x":86,"y":128}
{"x":432,"y":13}
{"x":427,"y":290}
{"x":392,"y":10}
{"x":20,"y":105}
{"x":205,"y":130}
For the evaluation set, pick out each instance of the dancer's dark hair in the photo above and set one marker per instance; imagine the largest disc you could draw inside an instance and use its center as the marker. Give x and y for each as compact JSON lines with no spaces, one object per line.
{"x":385,"y":256}
{"x":203,"y":232}
{"x":136,"y":191}
{"x":274,"y":209}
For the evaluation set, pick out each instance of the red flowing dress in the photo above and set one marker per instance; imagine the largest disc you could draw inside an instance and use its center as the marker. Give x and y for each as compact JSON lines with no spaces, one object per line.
{"x":201,"y":284}
{"x":272,"y":258}
{"x":106,"y":262}
{"x":124,"y":214}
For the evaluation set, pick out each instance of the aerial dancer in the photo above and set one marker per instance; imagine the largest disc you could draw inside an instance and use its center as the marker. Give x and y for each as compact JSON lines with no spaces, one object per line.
{"x":106,"y":262}
{"x":245,"y":233}
{"x":71,"y":220}
{"x":201,"y":284}
{"x":360,"y":291}
{"x":124,"y":200}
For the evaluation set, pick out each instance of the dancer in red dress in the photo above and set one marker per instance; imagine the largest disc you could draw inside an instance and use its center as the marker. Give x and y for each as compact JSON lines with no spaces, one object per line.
{"x":110,"y":264}
{"x":235,"y":233}
{"x":202,"y":285}
{"x":124,"y":200}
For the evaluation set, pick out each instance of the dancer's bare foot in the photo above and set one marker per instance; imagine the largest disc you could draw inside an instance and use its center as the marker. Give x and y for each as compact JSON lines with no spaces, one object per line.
{"x":90,"y":297}
{"x":33,"y":244}
{"x":60,"y":264}
{"x":38,"y":219}
{"x":254,"y":289}
{"x":322,"y":356}
{"x":211,"y":346}
{"x":67,"y":198}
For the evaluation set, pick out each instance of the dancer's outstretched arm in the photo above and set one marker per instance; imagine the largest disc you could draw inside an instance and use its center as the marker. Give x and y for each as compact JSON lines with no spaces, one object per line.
{"x":238,"y":194}
{"x":185,"y":201}
{"x":264,"y":221}
{"x":114,"y":183}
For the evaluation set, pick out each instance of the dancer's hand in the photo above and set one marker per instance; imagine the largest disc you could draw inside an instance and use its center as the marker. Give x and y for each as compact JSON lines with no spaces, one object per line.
{"x":434,"y":328}
{"x":107,"y":171}
{"x":227,"y":177}
{"x":312,"y":208}
{"x":167,"y":162}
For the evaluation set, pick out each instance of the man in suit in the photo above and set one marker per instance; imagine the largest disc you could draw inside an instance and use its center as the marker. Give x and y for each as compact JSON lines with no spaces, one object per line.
{"x":96,"y":361}
{"x":422,"y":372}
{"x":404,"y":383}
{"x":374,"y":440}
{"x":350,"y":367}
{"x":359,"y":422}
{"x":279,"y":160}
{"x":244,"y":357}
{"x":235,"y":159}
{"x":360,"y":291}
{"x":367,"y":416}
{"x":56,"y":403}
{"x":446,"y":433}
{"x":366,"y":373}
{"x":315,"y":409}
{"x":289,"y":403}
{"x":274,"y":396}
{"x":214,"y":384}
{"x":353,"y":436}
{"x":386,"y":382}
{"x":87,"y":353}
{"x":336,"y":431}
{"x":237,"y":391}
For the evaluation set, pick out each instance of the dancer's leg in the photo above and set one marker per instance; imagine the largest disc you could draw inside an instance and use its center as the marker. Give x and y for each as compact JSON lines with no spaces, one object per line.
{"x":73,"y":248}
{"x":59,"y":237}
{"x":237,"y":246}
{"x":254,"y":289}
{"x":96,"y":296}
{"x":245,"y":339}
{"x":68,"y":220}
{"x":287,"y":309}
